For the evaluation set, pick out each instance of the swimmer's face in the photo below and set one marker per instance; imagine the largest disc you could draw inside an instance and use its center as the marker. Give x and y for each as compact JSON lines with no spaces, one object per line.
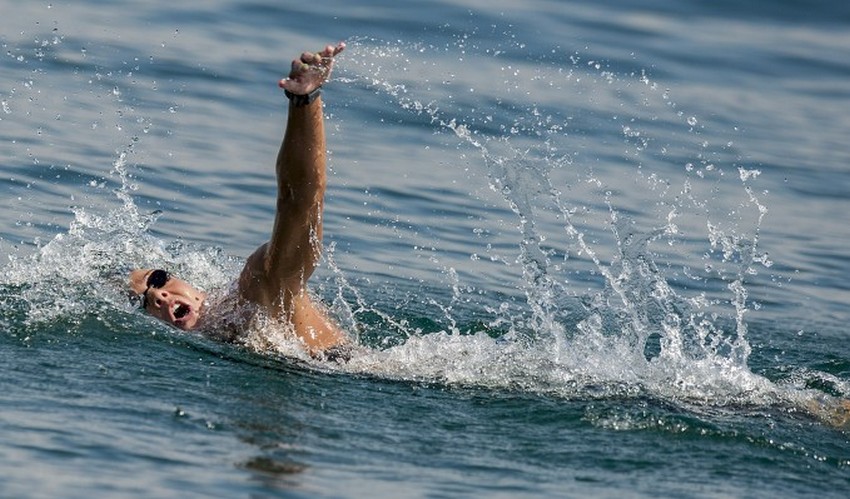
{"x":168,"y":298}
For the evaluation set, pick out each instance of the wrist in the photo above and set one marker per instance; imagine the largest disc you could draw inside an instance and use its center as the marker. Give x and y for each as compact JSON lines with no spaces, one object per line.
{"x":297,"y":100}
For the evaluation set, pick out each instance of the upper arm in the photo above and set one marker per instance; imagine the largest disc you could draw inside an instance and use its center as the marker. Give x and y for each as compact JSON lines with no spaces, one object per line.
{"x":283,"y":264}
{"x":290,"y":299}
{"x":281,"y":267}
{"x":296,"y":240}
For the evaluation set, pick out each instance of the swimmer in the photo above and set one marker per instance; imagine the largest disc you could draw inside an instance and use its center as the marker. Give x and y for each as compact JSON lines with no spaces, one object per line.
{"x":274,"y":279}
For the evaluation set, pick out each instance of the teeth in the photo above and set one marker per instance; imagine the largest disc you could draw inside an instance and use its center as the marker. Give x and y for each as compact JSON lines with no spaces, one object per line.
{"x":180,"y":310}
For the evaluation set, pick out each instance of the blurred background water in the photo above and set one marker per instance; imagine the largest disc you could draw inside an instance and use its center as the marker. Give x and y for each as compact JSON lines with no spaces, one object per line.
{"x":594,"y":248}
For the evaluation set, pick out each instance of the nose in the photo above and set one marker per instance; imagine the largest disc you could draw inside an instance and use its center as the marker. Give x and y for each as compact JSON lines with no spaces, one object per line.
{"x":159,"y":296}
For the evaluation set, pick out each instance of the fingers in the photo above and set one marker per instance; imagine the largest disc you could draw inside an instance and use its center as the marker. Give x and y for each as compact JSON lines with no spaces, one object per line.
{"x":311,"y":58}
{"x":311,"y":68}
{"x":329,"y":52}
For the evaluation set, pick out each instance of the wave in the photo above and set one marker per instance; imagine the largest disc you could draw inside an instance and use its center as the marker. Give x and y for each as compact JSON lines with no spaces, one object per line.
{"x":656,"y":307}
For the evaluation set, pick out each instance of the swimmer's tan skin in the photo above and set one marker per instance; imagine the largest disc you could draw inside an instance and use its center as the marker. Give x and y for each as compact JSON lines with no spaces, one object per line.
{"x":834,"y":412}
{"x":275,"y":275}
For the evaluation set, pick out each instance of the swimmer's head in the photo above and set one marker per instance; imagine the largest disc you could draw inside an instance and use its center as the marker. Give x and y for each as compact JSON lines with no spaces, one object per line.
{"x":167,"y":298}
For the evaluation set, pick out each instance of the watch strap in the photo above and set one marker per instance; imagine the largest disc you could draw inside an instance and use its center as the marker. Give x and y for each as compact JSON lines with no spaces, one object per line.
{"x":303,"y":100}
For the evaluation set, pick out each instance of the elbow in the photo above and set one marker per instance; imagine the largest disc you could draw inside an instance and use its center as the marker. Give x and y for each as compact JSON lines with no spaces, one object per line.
{"x":303,"y":198}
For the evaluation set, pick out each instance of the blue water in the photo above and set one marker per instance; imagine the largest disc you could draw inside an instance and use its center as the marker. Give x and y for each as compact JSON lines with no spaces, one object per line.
{"x":591,"y":248}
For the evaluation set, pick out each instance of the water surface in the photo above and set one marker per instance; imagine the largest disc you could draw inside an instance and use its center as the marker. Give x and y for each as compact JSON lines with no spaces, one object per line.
{"x":593,"y":248}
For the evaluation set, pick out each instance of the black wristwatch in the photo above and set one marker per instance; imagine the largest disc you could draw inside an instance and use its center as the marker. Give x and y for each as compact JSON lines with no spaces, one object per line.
{"x":303,"y":100}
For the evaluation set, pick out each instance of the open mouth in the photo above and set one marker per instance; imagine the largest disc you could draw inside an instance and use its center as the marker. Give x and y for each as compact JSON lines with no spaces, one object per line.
{"x":181,"y":310}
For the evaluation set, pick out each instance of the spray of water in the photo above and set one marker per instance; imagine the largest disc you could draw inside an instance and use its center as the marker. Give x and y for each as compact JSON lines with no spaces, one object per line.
{"x":673,"y":330}
{"x":610,"y":307}
{"x":82,"y":273}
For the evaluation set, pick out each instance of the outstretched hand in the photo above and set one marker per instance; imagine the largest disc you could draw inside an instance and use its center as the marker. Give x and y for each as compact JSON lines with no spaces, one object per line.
{"x":311,"y":71}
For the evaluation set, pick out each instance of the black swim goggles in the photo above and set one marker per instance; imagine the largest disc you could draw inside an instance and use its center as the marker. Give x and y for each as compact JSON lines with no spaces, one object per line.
{"x":156,"y":279}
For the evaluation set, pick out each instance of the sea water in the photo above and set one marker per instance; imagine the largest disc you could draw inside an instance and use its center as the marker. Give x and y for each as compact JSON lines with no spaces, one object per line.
{"x":589,"y":248}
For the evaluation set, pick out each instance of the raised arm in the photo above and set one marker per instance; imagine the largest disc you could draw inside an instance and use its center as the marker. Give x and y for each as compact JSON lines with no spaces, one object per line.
{"x":275,"y":276}
{"x":295,"y":244}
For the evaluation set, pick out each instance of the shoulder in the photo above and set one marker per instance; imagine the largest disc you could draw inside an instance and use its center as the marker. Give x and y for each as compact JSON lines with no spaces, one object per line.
{"x":226,"y":315}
